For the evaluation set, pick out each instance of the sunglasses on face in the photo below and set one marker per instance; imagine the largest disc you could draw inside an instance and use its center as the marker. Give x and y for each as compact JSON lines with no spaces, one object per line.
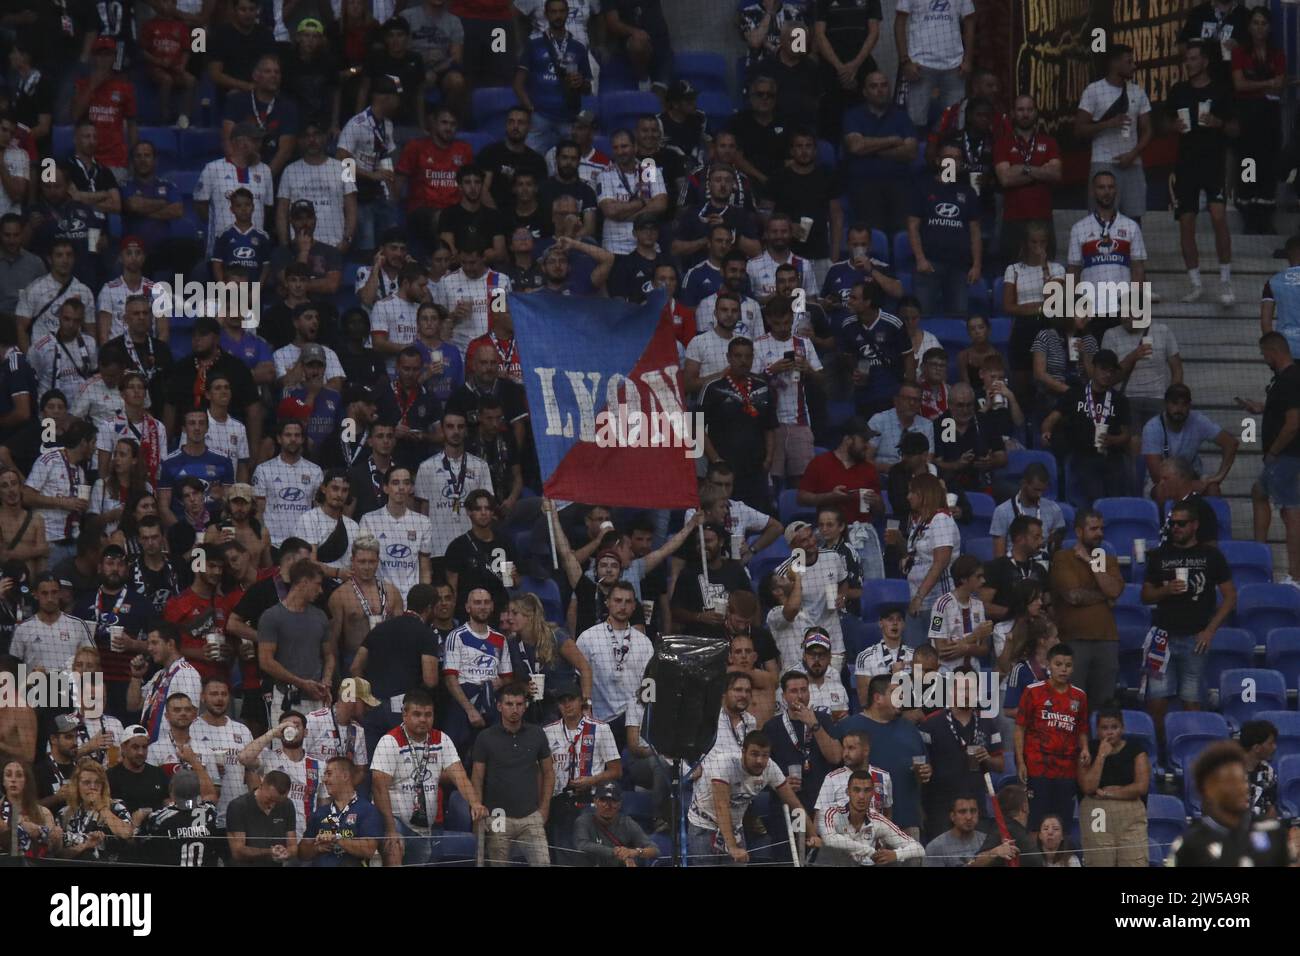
{"x":1180,"y":524}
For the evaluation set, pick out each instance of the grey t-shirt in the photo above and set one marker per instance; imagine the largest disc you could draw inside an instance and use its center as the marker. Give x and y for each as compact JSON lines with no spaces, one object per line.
{"x":298,"y":638}
{"x":433,"y":36}
{"x":512,"y":763}
{"x":948,"y":849}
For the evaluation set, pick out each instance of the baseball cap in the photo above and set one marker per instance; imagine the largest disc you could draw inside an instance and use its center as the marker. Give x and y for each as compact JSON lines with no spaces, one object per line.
{"x":816,"y":637}
{"x":240,"y":491}
{"x":132,"y":241}
{"x":681,"y":90}
{"x":310,"y":25}
{"x":66,"y":723}
{"x":645,"y":220}
{"x":249,"y":130}
{"x":302,"y":207}
{"x":386,"y":84}
{"x":356,"y":392}
{"x":293,"y":408}
{"x":891,"y":608}
{"x":205,"y":325}
{"x":103,"y":44}
{"x":608,"y":791}
{"x":357,"y":688}
{"x":391,"y":235}
{"x":312,"y":352}
{"x":585,"y":118}
{"x":113,"y":551}
{"x":134,"y":732}
{"x":609,"y":553}
{"x":793,"y":528}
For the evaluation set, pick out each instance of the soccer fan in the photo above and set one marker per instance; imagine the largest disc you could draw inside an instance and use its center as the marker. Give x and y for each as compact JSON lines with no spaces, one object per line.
{"x":1116,"y":783}
{"x":803,"y":739}
{"x":38,"y":304}
{"x":222,"y":179}
{"x":346,"y":831}
{"x":852,"y":831}
{"x":514,"y":771}
{"x":1115,"y":114}
{"x":184,"y":832}
{"x":1227,"y":835}
{"x":306,"y":773}
{"x":236,"y":46}
{"x":618,"y":654}
{"x":175,"y":675}
{"x":261,"y":825}
{"x":622,"y":199}
{"x":293,"y":646}
{"x":150,"y":203}
{"x":585,"y":759}
{"x":116,"y":293}
{"x":369,"y":140}
{"x":1052,"y":739}
{"x":881,"y":144}
{"x":959,"y":630}
{"x":1028,"y":164}
{"x":963,"y":844}
{"x":404,"y":535}
{"x":64,"y":359}
{"x":1094,"y":419}
{"x":216,"y":733}
{"x":880,"y":349}
{"x":146,"y":352}
{"x":266,"y":107}
{"x":605,"y":837}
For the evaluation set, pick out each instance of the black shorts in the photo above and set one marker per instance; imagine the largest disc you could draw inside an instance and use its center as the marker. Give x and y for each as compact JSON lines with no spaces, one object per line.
{"x":1187,"y":184}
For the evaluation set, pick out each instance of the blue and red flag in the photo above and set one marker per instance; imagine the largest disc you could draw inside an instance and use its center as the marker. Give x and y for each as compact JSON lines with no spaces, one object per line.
{"x":604,"y":391}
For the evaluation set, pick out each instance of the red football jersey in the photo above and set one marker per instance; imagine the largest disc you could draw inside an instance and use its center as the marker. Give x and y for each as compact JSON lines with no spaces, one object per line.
{"x":683,"y":321}
{"x":1052,"y":721}
{"x":110,"y":107}
{"x":197,"y":617}
{"x":167,"y":40}
{"x":1026,"y":202}
{"x":826,"y":471}
{"x":432,"y":172}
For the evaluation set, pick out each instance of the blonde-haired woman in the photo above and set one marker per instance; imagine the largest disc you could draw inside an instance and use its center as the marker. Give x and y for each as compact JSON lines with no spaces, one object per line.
{"x":537,"y":646}
{"x":94,"y":824}
{"x":933,"y":543}
{"x":38,"y":834}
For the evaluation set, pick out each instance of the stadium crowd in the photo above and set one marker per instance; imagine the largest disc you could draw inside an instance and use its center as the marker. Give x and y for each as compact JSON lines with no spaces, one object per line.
{"x":298,"y":528}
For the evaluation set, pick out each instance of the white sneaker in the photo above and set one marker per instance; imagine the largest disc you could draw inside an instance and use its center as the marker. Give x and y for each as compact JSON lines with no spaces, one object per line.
{"x":1226,"y":296}
{"x":1193,"y":296}
{"x":182,"y":122}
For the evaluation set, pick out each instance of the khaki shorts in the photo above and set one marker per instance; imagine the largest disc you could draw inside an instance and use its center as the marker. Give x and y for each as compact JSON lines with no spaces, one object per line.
{"x":792,"y":451}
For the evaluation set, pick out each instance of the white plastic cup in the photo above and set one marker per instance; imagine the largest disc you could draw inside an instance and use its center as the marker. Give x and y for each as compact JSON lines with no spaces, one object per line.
{"x":952,"y":500}
{"x":1180,"y":574}
{"x":92,"y":238}
{"x":648,"y":609}
{"x":1139,"y":550}
{"x":975,"y":183}
{"x":214,"y":642}
{"x":290,"y":734}
{"x":719,"y":605}
{"x":376,"y":620}
{"x":249,"y":322}
{"x":1149,"y":341}
{"x":1126,"y":130}
{"x":737,"y":542}
{"x":1185,"y":114}
{"x":537,"y":685}
{"x":508,"y":573}
{"x":891,"y":524}
{"x":83,"y":492}
{"x":1203,"y":109}
{"x":1072,"y":344}
{"x":864,"y":500}
{"x":116,"y":640}
{"x":795,"y":772}
{"x":805,"y":228}
{"x":1099,"y":437}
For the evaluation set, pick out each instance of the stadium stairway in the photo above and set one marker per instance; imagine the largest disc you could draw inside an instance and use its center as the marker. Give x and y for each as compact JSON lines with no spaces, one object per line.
{"x":1219,"y":345}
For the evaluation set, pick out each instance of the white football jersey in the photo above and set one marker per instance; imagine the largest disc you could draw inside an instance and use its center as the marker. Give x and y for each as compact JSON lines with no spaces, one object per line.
{"x":480,"y":293}
{"x":439,"y":482}
{"x":290,"y":492}
{"x":401,"y":542}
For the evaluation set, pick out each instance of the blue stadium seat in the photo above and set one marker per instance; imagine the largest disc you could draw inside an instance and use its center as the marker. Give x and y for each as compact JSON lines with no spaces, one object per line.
{"x":1128,"y":519}
{"x":185,"y":180}
{"x":1187,"y":732}
{"x":1287,"y":723}
{"x":166,"y":144}
{"x":198,"y":145}
{"x":1140,"y":728}
{"x":61,"y":142}
{"x":707,"y":72}
{"x":456,"y":814}
{"x":882,"y":591}
{"x":1251,"y":561}
{"x":620,"y":110}
{"x":1266,"y":688}
{"x":982,"y":548}
{"x":1231,"y":648}
{"x":489,"y":105}
{"x":1222,"y":511}
{"x":1288,"y":785}
{"x":789,"y":508}
{"x":1130,"y":612}
{"x":1165,"y":823}
{"x":1067,"y":514}
{"x":996,"y":294}
{"x":903,"y":259}
{"x":999,"y":330}
{"x":476,"y":139}
{"x":1131,"y":639}
{"x":1263,"y":607}
{"x":856,"y":636}
{"x":718,"y":107}
{"x":977,"y":297}
{"x":1017,"y":461}
{"x":640,"y":806}
{"x":1282,"y":653}
{"x":548,"y":592}
{"x":982,"y":507}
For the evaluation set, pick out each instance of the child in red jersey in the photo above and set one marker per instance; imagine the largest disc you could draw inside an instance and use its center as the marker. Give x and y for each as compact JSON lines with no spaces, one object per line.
{"x":1052,"y":738}
{"x":165,"y":47}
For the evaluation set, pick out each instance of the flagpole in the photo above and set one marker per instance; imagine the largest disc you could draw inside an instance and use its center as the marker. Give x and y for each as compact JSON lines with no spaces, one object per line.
{"x":704,"y":557}
{"x":550,"y":527}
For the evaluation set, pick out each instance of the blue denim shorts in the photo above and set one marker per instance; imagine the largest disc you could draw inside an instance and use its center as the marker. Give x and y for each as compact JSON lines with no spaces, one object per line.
{"x":1280,"y":480}
{"x":1182,"y":676}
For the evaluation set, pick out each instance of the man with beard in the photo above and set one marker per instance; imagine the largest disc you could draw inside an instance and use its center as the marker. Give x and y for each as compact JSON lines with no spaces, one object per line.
{"x":1107,"y":245}
{"x":1182,"y":578}
{"x":293,"y":646}
{"x":369,"y":474}
{"x":413,"y":409}
{"x":318,"y":178}
{"x":347,"y":446}
{"x":625,"y":194}
{"x":215,"y":732}
{"x":192,"y":459}
{"x":1178,"y":433}
{"x":286,"y":484}
{"x":1178,"y":484}
{"x":335,"y":731}
{"x":803,"y":738}
{"x":480,"y":559}
{"x":444,"y":482}
{"x":136,"y":782}
{"x":1094,"y":419}
{"x":327,"y":529}
{"x":306,"y":773}
{"x":826,"y":693}
{"x":261,"y":824}
{"x":186,"y":381}
{"x":735,"y":722}
{"x":568,"y":182}
{"x":471,"y":222}
{"x":392,"y":320}
{"x":618,"y":654}
{"x":496,"y":446}
{"x":238,"y":523}
{"x":146,"y":353}
{"x":475,"y":665}
{"x":177,"y":750}
{"x":699,"y":600}
{"x":1027,"y":164}
{"x":705,"y":277}
{"x":347,"y":830}
{"x":502,"y":159}
{"x":152,"y":571}
{"x":426,"y":175}
{"x":117,"y":603}
{"x":740,"y":424}
{"x":776,"y":252}
{"x":650,"y":146}
{"x":471,"y":293}
{"x":735,"y":279}
{"x":362,"y":603}
{"x":823,"y":578}
{"x":198,"y":613}
{"x":855,"y":750}
{"x":878,"y":345}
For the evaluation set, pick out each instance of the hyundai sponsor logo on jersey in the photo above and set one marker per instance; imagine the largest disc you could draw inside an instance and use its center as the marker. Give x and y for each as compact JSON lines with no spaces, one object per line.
{"x":291,"y":494}
{"x":399,"y":552}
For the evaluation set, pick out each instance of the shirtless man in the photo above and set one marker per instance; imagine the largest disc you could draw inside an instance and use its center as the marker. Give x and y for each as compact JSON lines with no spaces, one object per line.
{"x":240,"y":525}
{"x":742,"y":657}
{"x":355,"y":602}
{"x":17,"y":723}
{"x":22,"y":530}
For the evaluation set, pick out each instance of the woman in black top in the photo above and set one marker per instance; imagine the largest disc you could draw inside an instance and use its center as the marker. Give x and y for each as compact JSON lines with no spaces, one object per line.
{"x":1116,"y":784}
{"x":536,"y":646}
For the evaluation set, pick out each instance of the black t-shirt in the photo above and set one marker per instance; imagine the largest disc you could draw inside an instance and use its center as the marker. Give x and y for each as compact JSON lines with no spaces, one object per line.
{"x":239,"y":52}
{"x":1204,"y":146}
{"x":184,"y":836}
{"x":511,"y":394}
{"x":524,"y":278}
{"x":690,"y":591}
{"x":409,"y":68}
{"x":552,"y":189}
{"x":1202,"y":24}
{"x":801,"y":749}
{"x":311,"y":83}
{"x":366,"y":479}
{"x":633,"y":275}
{"x":1188,"y":613}
{"x":1080,"y":412}
{"x":180,"y":385}
{"x":1207,"y":522}
{"x":979,"y":438}
{"x":765,"y":147}
{"x":393,"y":652}
{"x":799,"y":88}
{"x":261,"y":830}
{"x":472,"y":560}
{"x":946,"y":739}
{"x":152,"y":358}
{"x":737,"y":427}
{"x":33,"y":97}
{"x":52,"y":777}
{"x":672,"y":166}
{"x":146,"y":790}
{"x":645,"y":15}
{"x":846,"y":24}
{"x":503,"y":163}
{"x":1120,"y":768}
{"x":159,"y":586}
{"x":1004,"y":573}
{"x":483,"y":224}
{"x":538,"y":222}
{"x":1283,"y":395}
{"x":1253,"y":843}
{"x":808,"y":194}
{"x":501,"y":456}
{"x":688,"y":135}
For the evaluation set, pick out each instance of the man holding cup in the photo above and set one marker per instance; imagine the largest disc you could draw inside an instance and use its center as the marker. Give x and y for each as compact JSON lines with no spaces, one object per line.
{"x":1095,"y":419}
{"x":585,"y":759}
{"x":200,"y":614}
{"x":57,"y":489}
{"x":480,"y":558}
{"x":803,"y":740}
{"x":116,"y":612}
{"x":963,"y":745}
{"x":1181,"y":579}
